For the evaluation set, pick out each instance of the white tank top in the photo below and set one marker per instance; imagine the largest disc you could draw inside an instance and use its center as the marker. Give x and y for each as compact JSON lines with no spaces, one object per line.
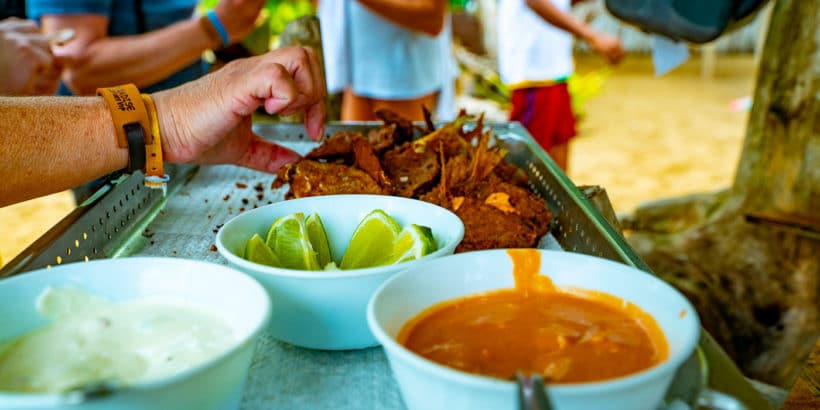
{"x":390,"y":62}
{"x":530,"y":50}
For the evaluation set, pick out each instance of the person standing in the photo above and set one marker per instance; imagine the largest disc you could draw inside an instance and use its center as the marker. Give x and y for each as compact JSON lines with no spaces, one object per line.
{"x":387,"y":54}
{"x":535,"y":39}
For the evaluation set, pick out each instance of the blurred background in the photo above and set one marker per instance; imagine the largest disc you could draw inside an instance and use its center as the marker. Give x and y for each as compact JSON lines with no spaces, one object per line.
{"x":641,"y":137}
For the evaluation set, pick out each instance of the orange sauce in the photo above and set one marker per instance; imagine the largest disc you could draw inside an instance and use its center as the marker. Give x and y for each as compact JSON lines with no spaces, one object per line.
{"x":568,"y":335}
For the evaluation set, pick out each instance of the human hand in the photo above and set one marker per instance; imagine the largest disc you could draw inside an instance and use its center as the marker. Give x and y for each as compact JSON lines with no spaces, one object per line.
{"x":26,"y":63}
{"x":208,"y":121}
{"x":238,"y":16}
{"x":608,"y":47}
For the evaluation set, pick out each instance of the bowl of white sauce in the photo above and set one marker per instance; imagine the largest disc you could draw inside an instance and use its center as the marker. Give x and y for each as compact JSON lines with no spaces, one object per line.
{"x":157,"y":333}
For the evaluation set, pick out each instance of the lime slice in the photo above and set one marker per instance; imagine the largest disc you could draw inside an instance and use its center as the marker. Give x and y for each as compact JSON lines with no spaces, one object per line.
{"x":256,"y":251}
{"x":318,"y":239}
{"x":288,"y":237}
{"x":413,"y":242}
{"x":372,"y":241}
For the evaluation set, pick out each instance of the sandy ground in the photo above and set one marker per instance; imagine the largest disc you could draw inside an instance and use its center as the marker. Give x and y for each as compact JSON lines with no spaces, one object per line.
{"x":646,"y":138}
{"x":643,"y":138}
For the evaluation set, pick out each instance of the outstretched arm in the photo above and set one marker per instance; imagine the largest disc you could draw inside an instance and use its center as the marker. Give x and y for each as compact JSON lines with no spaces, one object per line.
{"x":48,"y":144}
{"x":426,"y":16}
{"x":607,"y":46}
{"x":97,"y":60}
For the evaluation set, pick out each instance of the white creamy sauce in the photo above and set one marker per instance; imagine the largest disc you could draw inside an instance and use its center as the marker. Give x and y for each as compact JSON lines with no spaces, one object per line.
{"x":91,"y":339}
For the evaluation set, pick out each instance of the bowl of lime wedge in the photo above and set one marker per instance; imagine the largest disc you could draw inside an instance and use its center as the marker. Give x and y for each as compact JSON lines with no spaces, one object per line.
{"x":321,"y":258}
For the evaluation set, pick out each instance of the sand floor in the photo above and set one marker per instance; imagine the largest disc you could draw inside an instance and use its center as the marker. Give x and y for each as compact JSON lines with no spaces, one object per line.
{"x":646,"y":138}
{"x":643,"y":138}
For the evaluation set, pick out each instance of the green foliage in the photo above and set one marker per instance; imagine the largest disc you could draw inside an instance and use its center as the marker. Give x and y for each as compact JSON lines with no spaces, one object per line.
{"x":273,"y":18}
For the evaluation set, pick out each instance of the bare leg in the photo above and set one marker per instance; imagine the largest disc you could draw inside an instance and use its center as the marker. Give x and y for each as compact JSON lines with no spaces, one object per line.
{"x":410,"y":109}
{"x":560,"y":154}
{"x":358,"y":108}
{"x":355,"y":108}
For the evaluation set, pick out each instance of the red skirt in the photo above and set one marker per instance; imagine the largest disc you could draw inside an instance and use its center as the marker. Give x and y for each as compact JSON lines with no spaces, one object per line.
{"x":546,"y":112}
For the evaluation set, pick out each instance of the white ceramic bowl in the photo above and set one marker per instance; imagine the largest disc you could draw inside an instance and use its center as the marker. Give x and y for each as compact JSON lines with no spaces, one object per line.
{"x":327,"y":309}
{"x":427,"y":385}
{"x":230,"y":295}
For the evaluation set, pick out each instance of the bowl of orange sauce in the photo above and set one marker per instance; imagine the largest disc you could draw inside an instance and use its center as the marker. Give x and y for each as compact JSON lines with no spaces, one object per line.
{"x":602,"y":334}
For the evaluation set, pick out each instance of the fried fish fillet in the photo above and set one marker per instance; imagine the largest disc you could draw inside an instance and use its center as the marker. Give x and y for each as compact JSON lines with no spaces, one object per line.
{"x":412,"y":171}
{"x":487,"y":227}
{"x":339,"y":144}
{"x":311,"y":178}
{"x":367,"y":161}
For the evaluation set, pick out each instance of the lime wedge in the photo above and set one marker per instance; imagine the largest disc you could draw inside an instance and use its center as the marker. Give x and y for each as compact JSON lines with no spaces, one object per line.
{"x":256,"y":251}
{"x":288,"y":237}
{"x":372,"y":241}
{"x":413,"y":242}
{"x":318,"y":239}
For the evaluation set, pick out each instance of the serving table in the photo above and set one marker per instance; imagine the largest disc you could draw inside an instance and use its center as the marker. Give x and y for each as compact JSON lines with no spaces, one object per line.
{"x":126,"y":219}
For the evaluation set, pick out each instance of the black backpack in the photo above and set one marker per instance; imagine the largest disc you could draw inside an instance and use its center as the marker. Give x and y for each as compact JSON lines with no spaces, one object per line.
{"x":694,"y":21}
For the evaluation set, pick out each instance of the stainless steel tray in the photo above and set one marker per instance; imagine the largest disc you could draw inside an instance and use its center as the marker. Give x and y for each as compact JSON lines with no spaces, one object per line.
{"x":126,"y":219}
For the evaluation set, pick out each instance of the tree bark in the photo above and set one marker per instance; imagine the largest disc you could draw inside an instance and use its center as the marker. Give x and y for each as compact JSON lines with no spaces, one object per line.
{"x":749,"y":258}
{"x":779,"y":170}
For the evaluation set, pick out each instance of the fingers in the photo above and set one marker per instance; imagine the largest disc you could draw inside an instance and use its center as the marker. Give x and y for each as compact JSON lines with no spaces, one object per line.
{"x":266,"y":156}
{"x":20,"y":26}
{"x":282,"y":93}
{"x":308,"y":77}
{"x":315,"y":115}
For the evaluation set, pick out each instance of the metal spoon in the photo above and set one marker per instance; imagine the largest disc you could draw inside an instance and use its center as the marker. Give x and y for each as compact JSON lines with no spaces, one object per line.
{"x":531,"y":392}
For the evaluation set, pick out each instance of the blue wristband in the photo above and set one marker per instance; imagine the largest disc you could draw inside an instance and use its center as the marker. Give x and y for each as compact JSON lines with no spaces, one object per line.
{"x":223,"y":34}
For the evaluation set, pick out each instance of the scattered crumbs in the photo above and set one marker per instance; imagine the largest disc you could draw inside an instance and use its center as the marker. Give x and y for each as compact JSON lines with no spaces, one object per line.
{"x":245,"y":201}
{"x":255,"y":206}
{"x":217,"y":228}
{"x":147,"y":233}
{"x":260,"y":197}
{"x":209,"y":216}
{"x":173,"y":252}
{"x":259,"y":187}
{"x":152,"y":242}
{"x":162,"y":212}
{"x":242,"y":209}
{"x":682,"y":313}
{"x":212,"y":248}
{"x":206,"y":200}
{"x":241,"y":185}
{"x":270,"y":202}
{"x":227,"y":197}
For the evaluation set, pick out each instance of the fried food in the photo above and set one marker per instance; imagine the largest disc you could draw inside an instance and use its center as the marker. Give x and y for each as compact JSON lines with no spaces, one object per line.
{"x":412,"y":172}
{"x":311,"y":178}
{"x":382,"y":138}
{"x":337,"y":145}
{"x":404,"y":127}
{"x":487,"y":227}
{"x":457,"y":169}
{"x":367,"y":161}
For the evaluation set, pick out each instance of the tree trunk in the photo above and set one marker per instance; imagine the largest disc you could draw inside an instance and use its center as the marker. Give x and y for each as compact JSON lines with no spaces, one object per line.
{"x":779,"y":172}
{"x":749,"y":258}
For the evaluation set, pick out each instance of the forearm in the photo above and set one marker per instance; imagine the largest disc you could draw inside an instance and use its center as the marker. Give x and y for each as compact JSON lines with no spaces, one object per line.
{"x":565,"y":21}
{"x":141,"y":59}
{"x":426,"y":16}
{"x":59,"y":145}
